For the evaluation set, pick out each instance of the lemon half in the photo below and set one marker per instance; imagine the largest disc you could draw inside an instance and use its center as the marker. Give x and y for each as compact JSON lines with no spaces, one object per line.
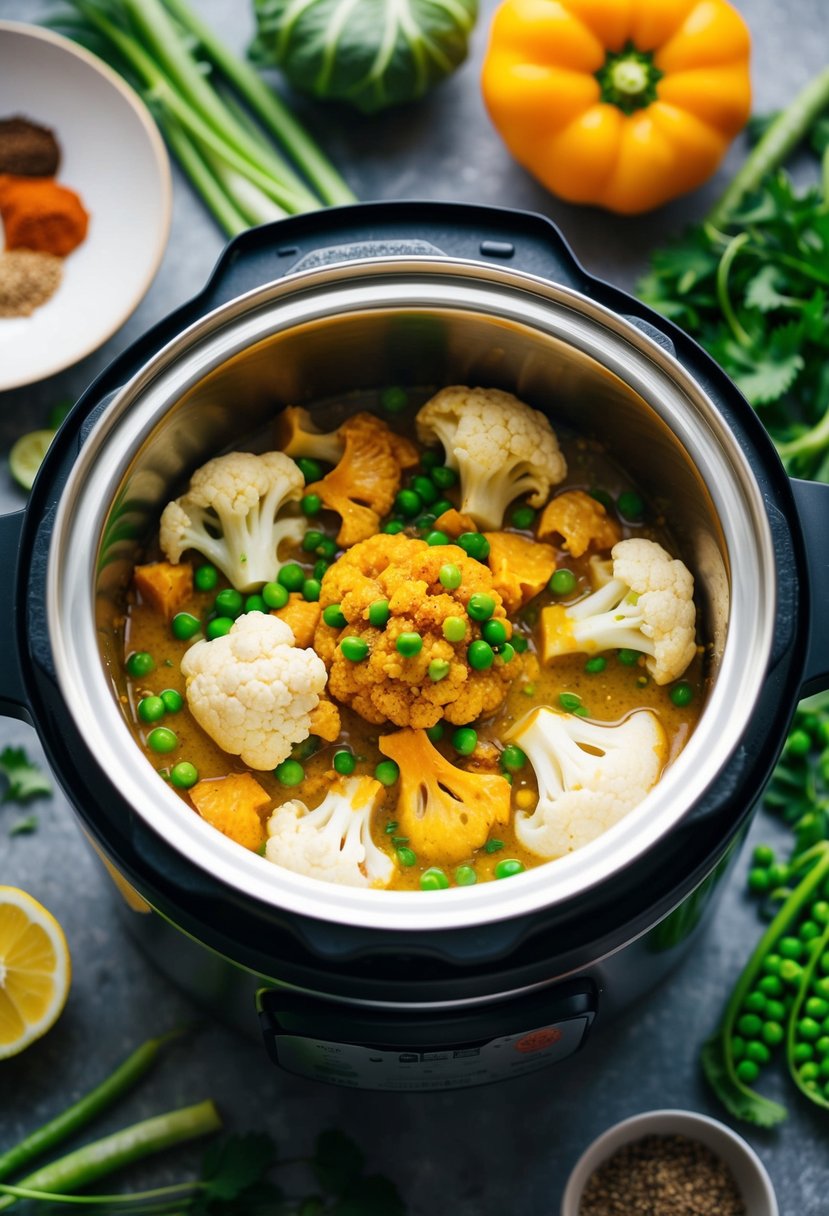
{"x":35,"y":970}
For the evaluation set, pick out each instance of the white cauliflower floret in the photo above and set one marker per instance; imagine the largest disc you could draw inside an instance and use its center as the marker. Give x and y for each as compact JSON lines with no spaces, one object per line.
{"x":252,"y":690}
{"x":499,"y":446}
{"x":647,"y":605}
{"x":583,"y":793}
{"x":229,"y":515}
{"x":333,"y":842}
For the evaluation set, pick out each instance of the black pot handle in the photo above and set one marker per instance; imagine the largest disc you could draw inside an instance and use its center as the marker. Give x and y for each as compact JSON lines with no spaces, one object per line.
{"x":13,"y":699}
{"x":812,"y":502}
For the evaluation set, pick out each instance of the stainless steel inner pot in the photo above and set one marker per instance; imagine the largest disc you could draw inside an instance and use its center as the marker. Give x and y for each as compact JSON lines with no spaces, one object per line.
{"x":423,"y":321}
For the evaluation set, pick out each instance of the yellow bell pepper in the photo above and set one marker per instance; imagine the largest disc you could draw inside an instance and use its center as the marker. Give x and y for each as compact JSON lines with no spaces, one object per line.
{"x":622,"y":103}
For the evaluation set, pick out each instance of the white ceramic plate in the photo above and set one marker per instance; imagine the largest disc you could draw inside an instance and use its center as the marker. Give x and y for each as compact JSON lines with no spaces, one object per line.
{"x":115,"y":159}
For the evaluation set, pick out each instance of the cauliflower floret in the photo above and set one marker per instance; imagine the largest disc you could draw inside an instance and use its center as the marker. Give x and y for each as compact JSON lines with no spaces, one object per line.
{"x":445,"y":811}
{"x":500,"y":447}
{"x":437,"y":681}
{"x":589,"y":775}
{"x":297,"y":436}
{"x":363,"y":484}
{"x":581,"y":521}
{"x":647,"y":605}
{"x":229,"y":515}
{"x":252,"y":690}
{"x":333,"y":842}
{"x":520,"y":567}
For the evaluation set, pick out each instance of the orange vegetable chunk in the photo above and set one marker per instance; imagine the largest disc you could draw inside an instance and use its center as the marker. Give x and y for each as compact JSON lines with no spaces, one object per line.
{"x":302,"y":616}
{"x":520,"y":567}
{"x":165,"y":587}
{"x":232,"y":804}
{"x":581,"y":521}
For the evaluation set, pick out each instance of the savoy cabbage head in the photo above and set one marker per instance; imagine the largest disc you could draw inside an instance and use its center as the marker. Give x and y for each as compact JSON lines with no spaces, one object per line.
{"x":370,"y":53}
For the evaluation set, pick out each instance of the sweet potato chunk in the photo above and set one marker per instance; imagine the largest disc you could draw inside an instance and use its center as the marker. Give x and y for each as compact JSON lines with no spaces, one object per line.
{"x":520,"y":567}
{"x":232,"y":804}
{"x":453,"y":523}
{"x":582,"y":522}
{"x":166,"y":587}
{"x":302,"y":616}
{"x":325,"y":721}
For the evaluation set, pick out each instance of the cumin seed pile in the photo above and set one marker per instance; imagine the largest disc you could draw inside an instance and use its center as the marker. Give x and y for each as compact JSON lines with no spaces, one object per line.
{"x":27,"y":280}
{"x":662,"y":1176}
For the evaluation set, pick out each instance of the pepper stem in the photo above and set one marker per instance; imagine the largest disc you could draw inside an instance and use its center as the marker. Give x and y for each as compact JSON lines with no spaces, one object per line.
{"x":628,"y":79}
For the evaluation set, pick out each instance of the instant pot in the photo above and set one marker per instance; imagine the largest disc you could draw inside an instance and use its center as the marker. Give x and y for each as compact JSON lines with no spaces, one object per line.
{"x":415,"y":990}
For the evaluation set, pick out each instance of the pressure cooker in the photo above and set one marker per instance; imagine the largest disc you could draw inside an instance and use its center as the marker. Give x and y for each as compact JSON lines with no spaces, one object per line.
{"x":413,"y":990}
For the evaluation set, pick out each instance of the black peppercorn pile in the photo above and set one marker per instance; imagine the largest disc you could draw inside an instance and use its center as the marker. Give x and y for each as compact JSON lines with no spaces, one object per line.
{"x":662,"y":1176}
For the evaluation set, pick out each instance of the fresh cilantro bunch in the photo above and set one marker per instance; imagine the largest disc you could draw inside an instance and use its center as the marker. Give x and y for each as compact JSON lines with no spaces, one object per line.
{"x":751,"y":284}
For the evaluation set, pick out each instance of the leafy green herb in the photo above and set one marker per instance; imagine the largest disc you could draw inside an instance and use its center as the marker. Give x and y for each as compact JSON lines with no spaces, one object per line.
{"x":493,"y":846}
{"x":25,"y":779}
{"x":24,"y":827}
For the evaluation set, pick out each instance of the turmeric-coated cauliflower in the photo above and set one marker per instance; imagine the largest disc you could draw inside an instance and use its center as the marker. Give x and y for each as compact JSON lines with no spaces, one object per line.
{"x":581,"y":521}
{"x":520,"y":567}
{"x":500,"y":447}
{"x":445,"y":812}
{"x":362,"y":485}
{"x":436,"y":682}
{"x":252,"y":690}
{"x":297,"y":436}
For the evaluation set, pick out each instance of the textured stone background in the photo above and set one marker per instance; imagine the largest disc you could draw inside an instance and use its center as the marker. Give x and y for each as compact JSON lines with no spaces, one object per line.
{"x":506,"y":1149}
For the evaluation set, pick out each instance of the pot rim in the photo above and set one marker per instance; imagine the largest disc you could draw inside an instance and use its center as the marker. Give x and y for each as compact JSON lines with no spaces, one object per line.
{"x":431,"y":284}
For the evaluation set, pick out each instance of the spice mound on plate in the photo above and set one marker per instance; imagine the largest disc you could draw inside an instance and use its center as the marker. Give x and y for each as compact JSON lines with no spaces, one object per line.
{"x":27,"y":149}
{"x":662,"y":1176}
{"x":27,"y":280}
{"x":39,"y":214}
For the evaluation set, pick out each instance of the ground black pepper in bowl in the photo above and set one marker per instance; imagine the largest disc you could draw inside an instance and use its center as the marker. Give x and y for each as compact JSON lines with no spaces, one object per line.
{"x":662,"y":1176}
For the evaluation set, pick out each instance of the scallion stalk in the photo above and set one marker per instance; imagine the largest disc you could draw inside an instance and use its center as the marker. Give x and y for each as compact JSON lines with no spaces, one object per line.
{"x":223,"y":208}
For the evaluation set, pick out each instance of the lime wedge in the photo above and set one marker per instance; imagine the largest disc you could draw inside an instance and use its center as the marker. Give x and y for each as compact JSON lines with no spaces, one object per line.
{"x":26,"y":456}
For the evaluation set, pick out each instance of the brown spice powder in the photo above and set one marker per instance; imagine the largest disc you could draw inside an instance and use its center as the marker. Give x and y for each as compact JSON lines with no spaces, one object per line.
{"x":27,"y":149}
{"x":662,"y":1176}
{"x":27,"y":280}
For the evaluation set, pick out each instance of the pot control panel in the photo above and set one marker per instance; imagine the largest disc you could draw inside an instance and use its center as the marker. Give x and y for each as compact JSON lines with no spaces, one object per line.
{"x":366,"y":1047}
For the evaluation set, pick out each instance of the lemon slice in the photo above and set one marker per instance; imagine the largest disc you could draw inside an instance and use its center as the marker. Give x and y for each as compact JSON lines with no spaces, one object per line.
{"x":26,"y":456}
{"x":35,"y":970}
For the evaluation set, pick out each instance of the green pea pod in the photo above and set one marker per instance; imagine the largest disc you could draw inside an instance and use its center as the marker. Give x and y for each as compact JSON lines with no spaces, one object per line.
{"x":809,"y":975}
{"x":717,"y":1057}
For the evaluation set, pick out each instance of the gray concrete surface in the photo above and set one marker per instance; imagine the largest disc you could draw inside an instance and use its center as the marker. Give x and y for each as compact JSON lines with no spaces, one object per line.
{"x":477,"y":1153}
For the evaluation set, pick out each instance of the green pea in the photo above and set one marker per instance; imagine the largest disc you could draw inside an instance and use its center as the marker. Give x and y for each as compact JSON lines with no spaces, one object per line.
{"x":563,"y":582}
{"x":393,"y":527}
{"x":435,"y":733}
{"x":758,"y":880}
{"x":520,"y":643}
{"x":229,"y":602}
{"x":758,"y":1052}
{"x":789,"y":947}
{"x":523,"y":518}
{"x":809,"y":1071}
{"x":513,"y":757}
{"x":763,"y":855}
{"x":408,"y":503}
{"x":289,"y":772}
{"x":465,"y":740}
{"x":173,"y":701}
{"x":773,"y":1033}
{"x":481,"y":606}
{"x":738,"y":1047}
{"x":454,"y":629}
{"x":822,"y":1046}
{"x":311,"y":539}
{"x":409,"y":644}
{"x":275,"y":595}
{"x":799,"y":743}
{"x":150,"y":709}
{"x":436,"y":538}
{"x":494,"y":632}
{"x":682,"y":694}
{"x":771,"y":985}
{"x":255,"y":603}
{"x":808,"y":931}
{"x":630,"y":505}
{"x":140,"y":663}
{"x":465,"y":876}
{"x":570,"y":701}
{"x":820,"y":911}
{"x":354,"y":649}
{"x":775,"y":1010}
{"x":808,"y":1028}
{"x":747,"y":1071}
{"x":433,"y":879}
{"x":438,"y":670}
{"x":509,"y":867}
{"x":163,"y":740}
{"x":326,"y":548}
{"x":394,"y":399}
{"x":334,"y":617}
{"x":379,"y":613}
{"x":311,"y":589}
{"x":310,"y":504}
{"x":444,"y":477}
{"x":475,"y":545}
{"x":801,"y":1052}
{"x":425,"y":487}
{"x":205,"y":577}
{"x":310,"y":469}
{"x":749,"y":1025}
{"x":320,"y":569}
{"x":387,"y":772}
{"x":755,"y":1002}
{"x":816,"y":1007}
{"x":425,"y":522}
{"x":406,"y":857}
{"x":450,"y":576}
{"x":480,"y":655}
{"x":506,"y":653}
{"x":344,"y":763}
{"x":291,"y":576}
{"x":595,"y":665}
{"x":628,"y":658}
{"x":430,"y":460}
{"x":219,"y":627}
{"x":184,"y":775}
{"x":601,"y":496}
{"x":790,"y":971}
{"x":441,"y":507}
{"x":778,"y":875}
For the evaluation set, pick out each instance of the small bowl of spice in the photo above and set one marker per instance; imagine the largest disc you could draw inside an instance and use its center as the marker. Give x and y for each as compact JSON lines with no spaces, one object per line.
{"x":669,"y":1163}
